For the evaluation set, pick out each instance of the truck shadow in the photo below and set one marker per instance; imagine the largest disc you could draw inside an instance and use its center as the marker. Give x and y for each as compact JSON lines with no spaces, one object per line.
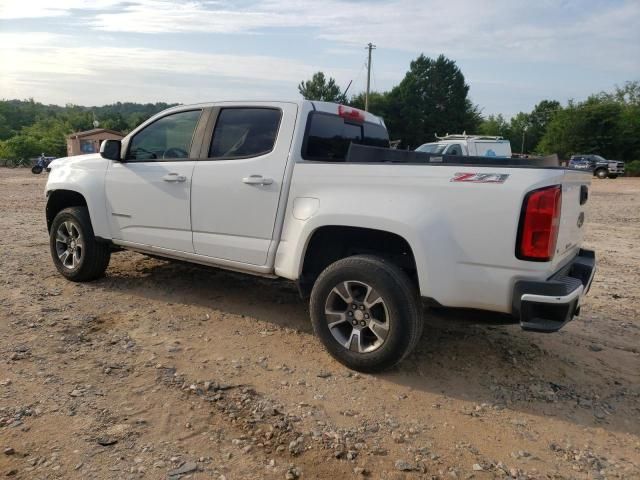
{"x":467,"y":355}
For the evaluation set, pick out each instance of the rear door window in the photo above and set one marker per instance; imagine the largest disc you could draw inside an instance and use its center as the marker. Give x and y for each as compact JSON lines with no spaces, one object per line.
{"x":244,"y":132}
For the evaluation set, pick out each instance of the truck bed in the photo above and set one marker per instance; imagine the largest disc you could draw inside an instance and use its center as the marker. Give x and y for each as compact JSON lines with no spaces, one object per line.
{"x":368,"y":154}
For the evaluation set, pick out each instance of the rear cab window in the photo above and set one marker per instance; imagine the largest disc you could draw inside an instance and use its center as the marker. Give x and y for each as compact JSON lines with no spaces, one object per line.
{"x":328,"y":136}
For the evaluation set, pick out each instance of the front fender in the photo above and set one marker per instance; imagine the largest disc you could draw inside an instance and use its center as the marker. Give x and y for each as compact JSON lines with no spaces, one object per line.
{"x":84,"y":174}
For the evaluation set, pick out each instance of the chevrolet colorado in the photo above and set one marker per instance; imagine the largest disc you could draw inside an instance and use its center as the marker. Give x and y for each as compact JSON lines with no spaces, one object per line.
{"x":309,"y":191}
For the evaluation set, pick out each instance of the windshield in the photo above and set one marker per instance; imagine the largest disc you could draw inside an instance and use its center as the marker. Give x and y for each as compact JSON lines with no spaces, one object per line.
{"x":599,"y":158}
{"x":436,"y":148}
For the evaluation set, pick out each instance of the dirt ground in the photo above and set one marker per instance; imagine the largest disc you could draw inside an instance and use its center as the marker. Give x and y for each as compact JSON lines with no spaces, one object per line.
{"x":166,"y":370}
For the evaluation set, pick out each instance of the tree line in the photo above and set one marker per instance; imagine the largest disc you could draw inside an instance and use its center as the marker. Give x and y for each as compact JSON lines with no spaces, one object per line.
{"x":29,"y":128}
{"x":433,"y":99}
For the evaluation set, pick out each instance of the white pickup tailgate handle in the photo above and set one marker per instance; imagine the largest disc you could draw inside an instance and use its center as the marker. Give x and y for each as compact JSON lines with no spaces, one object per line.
{"x":174,"y":177}
{"x":257,"y":180}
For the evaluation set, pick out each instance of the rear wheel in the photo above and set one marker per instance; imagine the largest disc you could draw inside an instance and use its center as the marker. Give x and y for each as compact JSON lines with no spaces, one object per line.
{"x":366,"y":312}
{"x":37,"y":169}
{"x":76,"y":253}
{"x":601,"y":173}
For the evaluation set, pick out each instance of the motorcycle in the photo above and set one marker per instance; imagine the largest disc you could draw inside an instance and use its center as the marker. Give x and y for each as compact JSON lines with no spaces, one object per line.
{"x":41,"y":164}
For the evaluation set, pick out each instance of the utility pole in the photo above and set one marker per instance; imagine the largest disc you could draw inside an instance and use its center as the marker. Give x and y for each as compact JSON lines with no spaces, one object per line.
{"x":524,"y":131}
{"x":370,"y":46}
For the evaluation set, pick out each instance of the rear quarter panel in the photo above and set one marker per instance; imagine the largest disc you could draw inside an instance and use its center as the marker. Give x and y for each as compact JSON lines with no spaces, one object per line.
{"x":462,"y":235}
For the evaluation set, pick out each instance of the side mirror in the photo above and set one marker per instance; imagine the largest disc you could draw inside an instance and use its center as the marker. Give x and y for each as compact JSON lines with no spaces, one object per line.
{"x":110,"y":149}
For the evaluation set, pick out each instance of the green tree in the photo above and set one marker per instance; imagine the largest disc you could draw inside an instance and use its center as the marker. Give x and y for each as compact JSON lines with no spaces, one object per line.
{"x":5,"y":130}
{"x":628,"y":94}
{"x":22,"y":147}
{"x":319,"y":88}
{"x":28,"y":128}
{"x":537,"y":122}
{"x":592,"y":126}
{"x":495,"y":125}
{"x":378,"y":102}
{"x":519,"y":131}
{"x":115,"y":122}
{"x":432,"y":98}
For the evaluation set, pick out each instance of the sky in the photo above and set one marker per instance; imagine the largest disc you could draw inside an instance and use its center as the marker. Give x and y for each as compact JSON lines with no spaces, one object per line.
{"x":513,"y":53}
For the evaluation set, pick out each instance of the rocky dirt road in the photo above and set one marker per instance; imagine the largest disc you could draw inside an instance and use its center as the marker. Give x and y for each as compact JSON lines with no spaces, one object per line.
{"x":165,"y":370}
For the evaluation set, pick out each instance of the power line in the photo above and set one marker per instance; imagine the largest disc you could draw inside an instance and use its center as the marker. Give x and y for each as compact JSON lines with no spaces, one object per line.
{"x":375,"y":82}
{"x":364,"y":64}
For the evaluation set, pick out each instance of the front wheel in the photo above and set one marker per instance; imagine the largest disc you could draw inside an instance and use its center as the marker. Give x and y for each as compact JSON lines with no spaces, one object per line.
{"x":601,"y":174}
{"x":76,"y":253}
{"x":366,"y":312}
{"x":36,"y":169}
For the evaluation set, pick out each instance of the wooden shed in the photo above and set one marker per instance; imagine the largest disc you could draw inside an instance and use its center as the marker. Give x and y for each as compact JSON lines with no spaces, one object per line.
{"x":80,"y":143}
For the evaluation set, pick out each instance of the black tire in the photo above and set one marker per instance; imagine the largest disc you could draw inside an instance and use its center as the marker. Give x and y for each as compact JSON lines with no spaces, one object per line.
{"x":400,"y":299}
{"x":95,"y":255}
{"x":36,"y":169}
{"x":601,"y":173}
{"x":612,"y":176}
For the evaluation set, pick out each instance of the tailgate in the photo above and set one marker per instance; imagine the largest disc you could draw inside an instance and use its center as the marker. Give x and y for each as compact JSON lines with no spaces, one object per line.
{"x":575,"y":185}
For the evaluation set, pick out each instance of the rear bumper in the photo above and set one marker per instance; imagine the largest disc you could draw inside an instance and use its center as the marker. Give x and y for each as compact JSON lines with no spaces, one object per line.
{"x":548,"y":305}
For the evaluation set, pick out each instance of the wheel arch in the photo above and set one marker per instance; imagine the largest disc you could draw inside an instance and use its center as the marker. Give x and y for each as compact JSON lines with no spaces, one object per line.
{"x":600,"y":169}
{"x":58,"y":200}
{"x":328,"y":243}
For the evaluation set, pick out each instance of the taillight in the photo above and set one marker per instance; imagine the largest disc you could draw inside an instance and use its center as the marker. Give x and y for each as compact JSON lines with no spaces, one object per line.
{"x":349,"y":113}
{"x":539,"y":224}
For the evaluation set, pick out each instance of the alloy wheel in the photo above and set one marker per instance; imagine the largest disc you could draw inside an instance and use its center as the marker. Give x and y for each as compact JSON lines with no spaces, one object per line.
{"x":69,"y":244}
{"x":357,"y":316}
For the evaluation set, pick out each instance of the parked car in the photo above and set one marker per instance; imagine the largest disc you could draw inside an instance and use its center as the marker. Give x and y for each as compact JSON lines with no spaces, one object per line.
{"x":601,"y":167}
{"x":310,"y":192}
{"x":468,"y":145}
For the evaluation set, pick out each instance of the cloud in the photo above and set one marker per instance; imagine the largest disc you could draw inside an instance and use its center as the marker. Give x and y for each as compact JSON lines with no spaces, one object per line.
{"x":38,"y":52}
{"x":580,"y":33}
{"x":28,"y":58}
{"x":15,"y":9}
{"x":557,"y":48}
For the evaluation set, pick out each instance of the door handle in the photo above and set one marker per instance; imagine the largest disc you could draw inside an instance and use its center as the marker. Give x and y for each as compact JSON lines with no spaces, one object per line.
{"x":174,"y":177}
{"x":257,"y":180}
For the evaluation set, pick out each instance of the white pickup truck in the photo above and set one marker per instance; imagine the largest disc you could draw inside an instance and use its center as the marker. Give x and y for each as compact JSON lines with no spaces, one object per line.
{"x":468,"y":145}
{"x":309,"y":191}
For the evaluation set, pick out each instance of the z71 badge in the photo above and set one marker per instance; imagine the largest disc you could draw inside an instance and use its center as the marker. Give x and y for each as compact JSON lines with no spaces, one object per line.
{"x":480,"y":177}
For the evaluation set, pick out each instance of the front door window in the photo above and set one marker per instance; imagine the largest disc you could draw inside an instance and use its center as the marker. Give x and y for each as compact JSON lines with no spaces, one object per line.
{"x":169,"y":137}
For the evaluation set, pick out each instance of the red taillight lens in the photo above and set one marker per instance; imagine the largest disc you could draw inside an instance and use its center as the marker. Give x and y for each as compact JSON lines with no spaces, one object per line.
{"x":539,"y":224}
{"x":349,"y":113}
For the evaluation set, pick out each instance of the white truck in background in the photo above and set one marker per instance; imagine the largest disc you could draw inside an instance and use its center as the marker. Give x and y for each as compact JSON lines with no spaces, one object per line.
{"x":468,"y":145}
{"x":310,"y":192}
